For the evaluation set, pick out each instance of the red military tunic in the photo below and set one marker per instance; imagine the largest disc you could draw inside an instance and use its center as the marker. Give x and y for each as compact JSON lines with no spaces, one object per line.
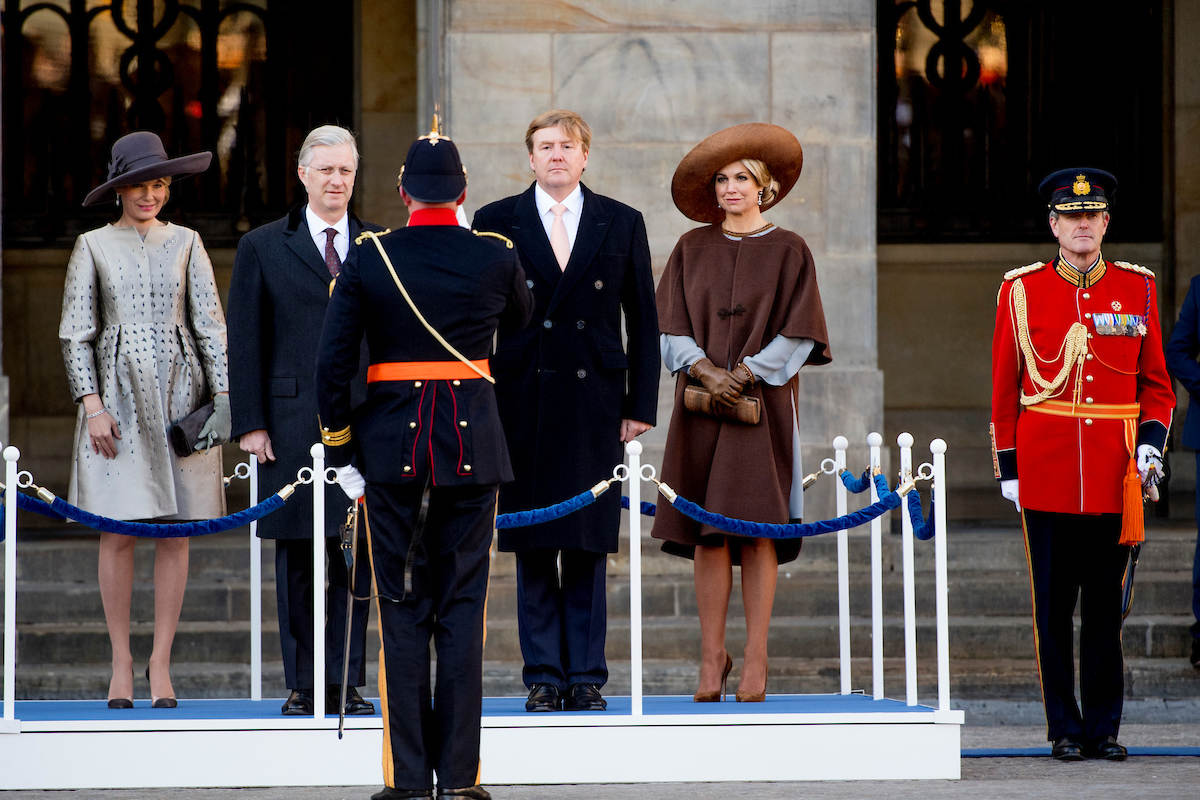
{"x":1071,"y":448}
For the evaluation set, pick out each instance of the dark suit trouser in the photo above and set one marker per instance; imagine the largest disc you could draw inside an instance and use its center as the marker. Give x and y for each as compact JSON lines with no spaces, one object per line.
{"x":427,"y":731}
{"x":562,"y":618}
{"x":1075,"y":557}
{"x":293,"y":593}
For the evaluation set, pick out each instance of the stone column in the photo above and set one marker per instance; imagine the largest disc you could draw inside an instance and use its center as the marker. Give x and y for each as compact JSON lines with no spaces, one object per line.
{"x":653,"y":80}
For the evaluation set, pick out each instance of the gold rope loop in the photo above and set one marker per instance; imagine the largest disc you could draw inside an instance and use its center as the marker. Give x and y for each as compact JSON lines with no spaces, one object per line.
{"x":1074,"y":347}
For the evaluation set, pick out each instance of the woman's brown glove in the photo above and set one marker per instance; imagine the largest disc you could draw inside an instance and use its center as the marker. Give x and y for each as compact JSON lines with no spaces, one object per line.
{"x":721,"y":383}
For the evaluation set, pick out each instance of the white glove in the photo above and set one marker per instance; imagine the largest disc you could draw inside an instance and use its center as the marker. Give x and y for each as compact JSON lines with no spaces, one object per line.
{"x":1008,"y":488}
{"x":351,"y":480}
{"x":1149,"y":462}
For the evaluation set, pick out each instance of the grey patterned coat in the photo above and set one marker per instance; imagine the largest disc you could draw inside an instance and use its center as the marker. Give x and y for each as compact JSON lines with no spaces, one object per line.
{"x":142,"y":326}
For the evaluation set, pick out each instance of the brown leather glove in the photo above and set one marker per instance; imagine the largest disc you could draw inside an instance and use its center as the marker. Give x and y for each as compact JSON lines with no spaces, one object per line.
{"x":721,"y":383}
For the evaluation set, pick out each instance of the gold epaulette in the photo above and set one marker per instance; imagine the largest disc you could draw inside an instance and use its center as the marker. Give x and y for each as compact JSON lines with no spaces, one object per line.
{"x":335,"y":438}
{"x":362,"y":237}
{"x":1135,"y":268}
{"x":1012,"y":274}
{"x":507,"y":241}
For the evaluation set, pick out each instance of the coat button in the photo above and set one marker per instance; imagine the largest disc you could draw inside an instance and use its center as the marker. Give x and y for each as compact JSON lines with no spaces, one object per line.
{"x":529,"y":284}
{"x":1088,"y":378}
{"x":456,"y":382}
{"x":1090,"y":336}
{"x":462,"y":423}
{"x":412,"y":424}
{"x":1088,"y":400}
{"x":1087,"y":315}
{"x":1089,"y":355}
{"x":407,"y":468}
{"x":1087,"y":421}
{"x":547,"y":324}
{"x":1087,"y":296}
{"x":466,"y":467}
{"x":580,"y":325}
{"x":416,"y":384}
{"x":581,"y":374}
{"x":599,"y":285}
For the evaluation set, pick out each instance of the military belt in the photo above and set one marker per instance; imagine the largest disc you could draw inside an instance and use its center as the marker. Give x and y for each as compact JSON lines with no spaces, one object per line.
{"x":426,"y":371}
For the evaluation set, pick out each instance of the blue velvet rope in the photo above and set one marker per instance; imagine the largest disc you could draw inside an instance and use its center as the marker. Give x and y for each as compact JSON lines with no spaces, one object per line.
{"x":771,"y":530}
{"x":881,"y":487}
{"x":923,"y":528}
{"x":854,"y":484}
{"x":519,"y":519}
{"x":27,"y":503}
{"x":171,"y":530}
{"x":648,"y":509}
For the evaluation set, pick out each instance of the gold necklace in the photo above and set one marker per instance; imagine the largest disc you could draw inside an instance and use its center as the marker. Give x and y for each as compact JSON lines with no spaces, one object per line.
{"x":741,"y":234}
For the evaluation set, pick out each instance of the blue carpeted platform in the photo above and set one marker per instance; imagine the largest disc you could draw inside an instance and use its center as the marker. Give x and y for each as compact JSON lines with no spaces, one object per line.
{"x":98,"y":710}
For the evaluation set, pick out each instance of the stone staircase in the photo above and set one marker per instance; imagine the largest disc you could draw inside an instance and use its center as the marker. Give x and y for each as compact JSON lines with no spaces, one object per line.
{"x":63,"y":647}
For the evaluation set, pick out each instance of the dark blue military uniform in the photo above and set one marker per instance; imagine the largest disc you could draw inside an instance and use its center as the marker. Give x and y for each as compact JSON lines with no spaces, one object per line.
{"x":429,"y":443}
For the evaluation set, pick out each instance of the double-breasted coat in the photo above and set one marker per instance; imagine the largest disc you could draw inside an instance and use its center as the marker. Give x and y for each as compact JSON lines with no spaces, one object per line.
{"x":565,"y":382}
{"x":277,"y":302}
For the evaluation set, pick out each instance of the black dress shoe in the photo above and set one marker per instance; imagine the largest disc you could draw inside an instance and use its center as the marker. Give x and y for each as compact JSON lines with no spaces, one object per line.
{"x":1109,"y":749}
{"x":476,"y":792}
{"x":1067,"y":749}
{"x":584,"y":697}
{"x":1195,"y":657}
{"x":355,"y":704}
{"x":388,"y":793}
{"x":298,"y":704}
{"x":543,"y":697}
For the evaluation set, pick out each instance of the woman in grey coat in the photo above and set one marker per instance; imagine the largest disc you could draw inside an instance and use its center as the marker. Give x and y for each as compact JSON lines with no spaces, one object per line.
{"x":143,"y":339}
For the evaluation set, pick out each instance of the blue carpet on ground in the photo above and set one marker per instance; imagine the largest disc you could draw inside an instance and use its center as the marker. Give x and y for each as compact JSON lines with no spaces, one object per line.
{"x":98,"y":710}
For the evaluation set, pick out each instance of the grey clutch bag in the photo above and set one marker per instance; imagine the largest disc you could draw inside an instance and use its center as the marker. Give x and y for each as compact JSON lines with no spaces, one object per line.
{"x":185,"y":433}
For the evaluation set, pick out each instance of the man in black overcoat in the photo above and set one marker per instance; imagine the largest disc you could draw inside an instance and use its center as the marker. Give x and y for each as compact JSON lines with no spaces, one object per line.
{"x":277,"y":299}
{"x":431,"y":451}
{"x":570,"y":395}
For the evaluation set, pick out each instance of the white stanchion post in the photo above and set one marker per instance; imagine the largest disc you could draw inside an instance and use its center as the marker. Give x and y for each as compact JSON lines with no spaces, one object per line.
{"x":938,"y":448}
{"x":874,"y":442}
{"x":318,"y":486}
{"x":634,"y":452}
{"x":9,"y":723}
{"x":905,"y":440}
{"x":255,"y":591}
{"x":840,"y":443}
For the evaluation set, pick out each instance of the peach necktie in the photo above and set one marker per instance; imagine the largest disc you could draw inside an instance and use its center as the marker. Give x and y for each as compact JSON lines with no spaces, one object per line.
{"x":558,"y":236}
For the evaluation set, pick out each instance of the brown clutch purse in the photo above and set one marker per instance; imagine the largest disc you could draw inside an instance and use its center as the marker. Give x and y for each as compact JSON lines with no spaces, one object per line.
{"x":699,"y":400}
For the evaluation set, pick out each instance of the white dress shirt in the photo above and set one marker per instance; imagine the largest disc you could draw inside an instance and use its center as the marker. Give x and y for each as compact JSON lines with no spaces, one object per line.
{"x":317,"y":226}
{"x":574,"y":204}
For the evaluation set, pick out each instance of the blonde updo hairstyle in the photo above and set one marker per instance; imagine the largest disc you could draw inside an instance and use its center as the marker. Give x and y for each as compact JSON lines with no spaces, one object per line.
{"x":762,"y":176}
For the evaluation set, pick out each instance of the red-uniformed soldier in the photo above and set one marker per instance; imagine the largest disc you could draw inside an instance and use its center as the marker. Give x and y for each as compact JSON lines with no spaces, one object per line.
{"x":429,"y":444}
{"x":1081,"y":405}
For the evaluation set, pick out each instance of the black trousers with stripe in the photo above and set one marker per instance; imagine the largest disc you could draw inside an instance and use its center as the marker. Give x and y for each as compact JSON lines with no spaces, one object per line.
{"x":1075,"y":558}
{"x":431,"y":728}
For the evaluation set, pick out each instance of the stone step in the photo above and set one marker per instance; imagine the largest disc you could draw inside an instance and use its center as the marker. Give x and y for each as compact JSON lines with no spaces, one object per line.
{"x":996,"y":593}
{"x":670,"y":638}
{"x":49,"y":557}
{"x":970,"y":679}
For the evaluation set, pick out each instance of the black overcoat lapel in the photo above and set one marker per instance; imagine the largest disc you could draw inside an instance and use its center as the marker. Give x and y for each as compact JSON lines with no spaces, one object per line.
{"x":593,"y":227}
{"x":297,"y":239}
{"x":530,"y":235}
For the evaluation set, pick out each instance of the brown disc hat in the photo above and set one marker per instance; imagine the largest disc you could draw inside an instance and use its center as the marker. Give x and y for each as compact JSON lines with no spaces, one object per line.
{"x":140,"y":156}
{"x":692,"y":186}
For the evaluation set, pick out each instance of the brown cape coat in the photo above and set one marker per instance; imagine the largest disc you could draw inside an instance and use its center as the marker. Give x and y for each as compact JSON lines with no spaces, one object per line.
{"x":733,"y":297}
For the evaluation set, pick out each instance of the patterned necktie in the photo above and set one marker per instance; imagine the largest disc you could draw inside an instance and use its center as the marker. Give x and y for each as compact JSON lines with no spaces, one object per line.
{"x":558,"y":236}
{"x":332,"y":262}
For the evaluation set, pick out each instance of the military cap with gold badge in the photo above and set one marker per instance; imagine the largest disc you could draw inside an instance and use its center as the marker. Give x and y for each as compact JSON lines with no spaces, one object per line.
{"x":433,"y":171}
{"x":1078,"y":189}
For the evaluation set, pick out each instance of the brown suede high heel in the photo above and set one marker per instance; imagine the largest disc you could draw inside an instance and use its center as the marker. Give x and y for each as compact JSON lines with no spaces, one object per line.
{"x":752,"y":697}
{"x":717,"y":696}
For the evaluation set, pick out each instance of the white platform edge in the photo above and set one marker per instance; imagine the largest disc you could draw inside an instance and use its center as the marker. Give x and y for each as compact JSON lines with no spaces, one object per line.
{"x":514,"y":750}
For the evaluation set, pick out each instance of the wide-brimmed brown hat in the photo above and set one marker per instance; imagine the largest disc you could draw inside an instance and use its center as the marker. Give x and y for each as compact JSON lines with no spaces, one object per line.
{"x":140,"y":156}
{"x":692,"y":186}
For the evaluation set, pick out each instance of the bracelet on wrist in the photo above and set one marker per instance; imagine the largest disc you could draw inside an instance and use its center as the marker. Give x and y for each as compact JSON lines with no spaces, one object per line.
{"x":95,"y":414}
